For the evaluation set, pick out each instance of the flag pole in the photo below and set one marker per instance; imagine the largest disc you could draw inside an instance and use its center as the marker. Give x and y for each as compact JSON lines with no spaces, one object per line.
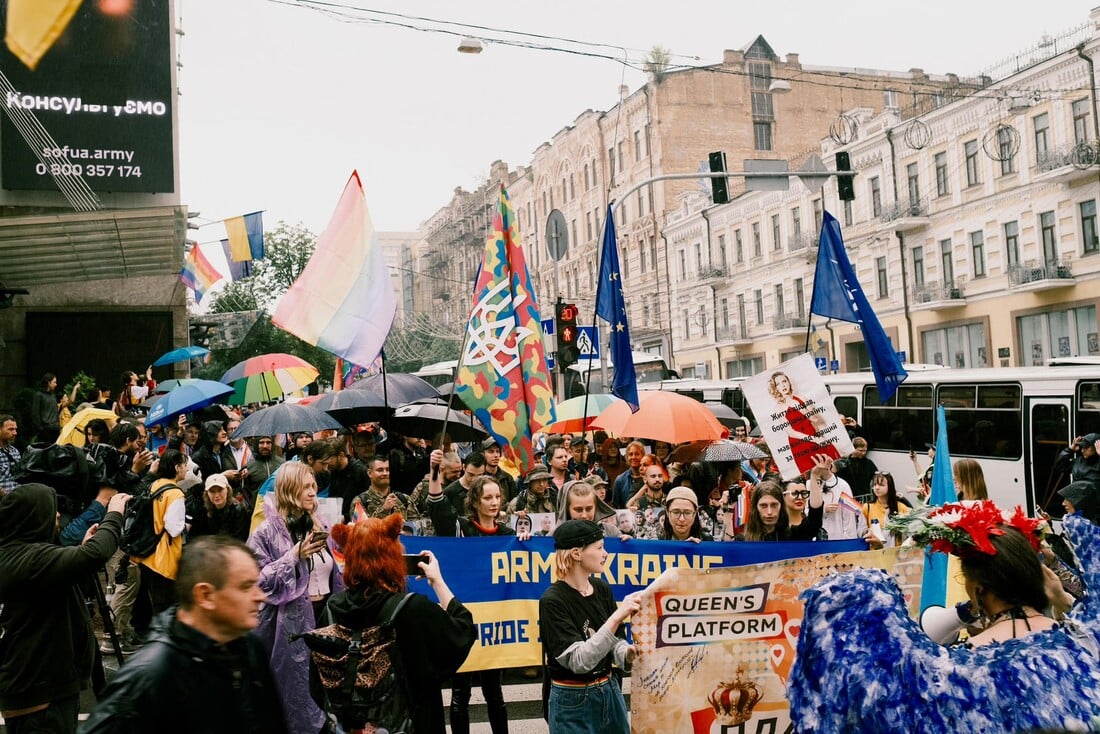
{"x":338,"y":374}
{"x":809,"y":327}
{"x":595,"y":315}
{"x":385,"y":396}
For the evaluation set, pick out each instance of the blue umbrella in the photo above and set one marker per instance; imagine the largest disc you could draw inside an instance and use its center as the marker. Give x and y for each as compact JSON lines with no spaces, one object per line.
{"x":185,"y":398}
{"x":183,"y":354}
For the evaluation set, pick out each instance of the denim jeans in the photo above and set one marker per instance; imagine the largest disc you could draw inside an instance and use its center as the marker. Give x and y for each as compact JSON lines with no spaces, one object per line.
{"x":594,"y":709}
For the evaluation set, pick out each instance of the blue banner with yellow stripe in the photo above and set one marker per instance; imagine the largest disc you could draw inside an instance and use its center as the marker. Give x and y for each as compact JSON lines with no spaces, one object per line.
{"x":500,"y":580}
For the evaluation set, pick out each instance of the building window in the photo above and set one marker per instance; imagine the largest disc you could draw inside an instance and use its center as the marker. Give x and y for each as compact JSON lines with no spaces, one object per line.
{"x":595,"y":173}
{"x":762,"y":135}
{"x":573,"y":227}
{"x":738,"y":247}
{"x":1050,"y":240}
{"x":816,"y":203}
{"x":1089,"y":241}
{"x":876,"y":197}
{"x":977,"y":253}
{"x":742,"y":319}
{"x":890,"y":99}
{"x":941,"y":174}
{"x":1012,"y":243}
{"x":1080,"y":121}
{"x":641,"y":202}
{"x":653,"y":259}
{"x":642,"y":259}
{"x":779,"y":309}
{"x":758,"y":297}
{"x":799,"y":298}
{"x":1006,"y":151}
{"x":913,"y":180}
{"x":722,"y":251}
{"x":683,"y":265}
{"x":611,"y":161}
{"x":587,"y":182}
{"x":592,"y":278}
{"x":796,"y":222}
{"x":947,"y":263}
{"x":762,"y":106}
{"x":572,"y":186}
{"x":757,"y":245}
{"x":918,"y":267}
{"x":698,"y":259}
{"x":588,"y":225}
{"x":956,"y":346}
{"x":625,"y":262}
{"x":645,"y":130}
{"x":1067,"y":333}
{"x":1041,"y":123}
{"x":777,"y":245}
{"x":882,"y":277}
{"x":848,"y":215}
{"x":973,"y":173}
{"x":637,"y":145}
{"x":687,"y":324}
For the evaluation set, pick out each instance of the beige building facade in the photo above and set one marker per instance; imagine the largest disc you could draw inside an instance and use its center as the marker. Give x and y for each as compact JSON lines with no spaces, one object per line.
{"x":754,"y":104}
{"x":973,"y":234}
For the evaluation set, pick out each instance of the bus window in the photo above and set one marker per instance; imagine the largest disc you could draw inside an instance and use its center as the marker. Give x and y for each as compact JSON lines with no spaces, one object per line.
{"x":983,"y":420}
{"x":904,"y":423}
{"x":1087,"y":418}
{"x":734,"y":398}
{"x":847,"y":405}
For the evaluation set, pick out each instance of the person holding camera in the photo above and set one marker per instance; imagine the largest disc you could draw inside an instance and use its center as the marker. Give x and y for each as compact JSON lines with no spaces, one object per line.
{"x":47,"y":647}
{"x":298,"y":573}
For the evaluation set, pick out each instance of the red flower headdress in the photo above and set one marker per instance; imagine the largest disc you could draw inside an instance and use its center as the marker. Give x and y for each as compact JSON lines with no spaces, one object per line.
{"x":965,"y":528}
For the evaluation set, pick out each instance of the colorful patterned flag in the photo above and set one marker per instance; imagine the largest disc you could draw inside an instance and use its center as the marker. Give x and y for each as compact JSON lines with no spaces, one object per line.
{"x":246,"y":237}
{"x":198,"y":274}
{"x":504,"y":379}
{"x":848,"y":502}
{"x":343,"y":301}
{"x":34,"y":25}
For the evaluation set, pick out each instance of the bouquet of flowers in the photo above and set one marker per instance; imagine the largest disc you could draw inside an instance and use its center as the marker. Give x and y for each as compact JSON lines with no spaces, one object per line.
{"x":962,"y":528}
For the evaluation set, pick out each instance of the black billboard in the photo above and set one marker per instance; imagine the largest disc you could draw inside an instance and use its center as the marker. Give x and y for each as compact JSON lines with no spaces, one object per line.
{"x":104,"y":95}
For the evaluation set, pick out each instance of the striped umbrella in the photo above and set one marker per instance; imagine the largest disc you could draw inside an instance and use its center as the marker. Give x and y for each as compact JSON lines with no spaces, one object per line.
{"x":268,"y":377}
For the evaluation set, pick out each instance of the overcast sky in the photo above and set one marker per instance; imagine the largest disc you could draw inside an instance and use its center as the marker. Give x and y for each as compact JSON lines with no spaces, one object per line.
{"x":280,"y":102}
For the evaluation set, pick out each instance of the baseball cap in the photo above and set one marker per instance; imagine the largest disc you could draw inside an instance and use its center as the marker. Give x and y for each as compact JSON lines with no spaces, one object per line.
{"x":217,"y":480}
{"x":1089,"y":439}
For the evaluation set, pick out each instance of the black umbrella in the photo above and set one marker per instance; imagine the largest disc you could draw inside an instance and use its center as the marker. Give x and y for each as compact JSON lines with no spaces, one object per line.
{"x":399,"y":388}
{"x":352,"y":407}
{"x":726,"y":415}
{"x":285,"y":418}
{"x":425,"y":420}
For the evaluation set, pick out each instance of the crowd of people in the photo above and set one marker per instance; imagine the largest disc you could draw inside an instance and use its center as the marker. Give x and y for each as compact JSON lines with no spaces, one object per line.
{"x":246,"y":559}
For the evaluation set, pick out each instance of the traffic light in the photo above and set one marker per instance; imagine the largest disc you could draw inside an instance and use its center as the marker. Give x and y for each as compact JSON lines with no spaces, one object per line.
{"x":566,"y":328}
{"x":844,"y":184}
{"x":719,"y":186}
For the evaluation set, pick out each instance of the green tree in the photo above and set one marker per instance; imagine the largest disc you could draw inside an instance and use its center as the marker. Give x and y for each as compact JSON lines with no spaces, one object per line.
{"x":657,"y":63}
{"x":287,"y":249}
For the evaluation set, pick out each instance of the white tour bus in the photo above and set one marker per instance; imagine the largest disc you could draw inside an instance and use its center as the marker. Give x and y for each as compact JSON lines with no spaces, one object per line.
{"x":1012,"y":420}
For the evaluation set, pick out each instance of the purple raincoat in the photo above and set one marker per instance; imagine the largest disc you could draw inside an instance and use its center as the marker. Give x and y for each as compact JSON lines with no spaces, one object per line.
{"x":287,"y":612}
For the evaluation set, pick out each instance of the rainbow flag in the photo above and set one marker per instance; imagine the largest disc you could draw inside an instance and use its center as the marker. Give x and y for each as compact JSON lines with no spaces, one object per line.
{"x":198,"y":274}
{"x":246,"y":237}
{"x":848,"y":502}
{"x":504,"y":379}
{"x":343,"y":301}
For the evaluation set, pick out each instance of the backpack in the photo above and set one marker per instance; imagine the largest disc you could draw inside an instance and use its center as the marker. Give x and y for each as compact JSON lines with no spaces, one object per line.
{"x":138,"y":537}
{"x":357,"y":675}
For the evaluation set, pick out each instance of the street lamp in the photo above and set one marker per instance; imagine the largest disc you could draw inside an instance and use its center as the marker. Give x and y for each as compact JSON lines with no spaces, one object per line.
{"x":779,"y":86}
{"x":470,"y":45}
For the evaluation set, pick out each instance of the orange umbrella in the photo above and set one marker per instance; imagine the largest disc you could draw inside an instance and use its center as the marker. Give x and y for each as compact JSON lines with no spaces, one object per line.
{"x":662,"y":416}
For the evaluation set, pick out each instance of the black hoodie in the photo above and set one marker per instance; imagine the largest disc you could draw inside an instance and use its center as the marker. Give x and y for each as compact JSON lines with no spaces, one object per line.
{"x":46,"y":640}
{"x":433,"y":644}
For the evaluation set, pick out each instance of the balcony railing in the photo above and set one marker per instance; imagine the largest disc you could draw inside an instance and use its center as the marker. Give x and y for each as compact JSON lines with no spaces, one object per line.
{"x":801,"y":241}
{"x":1079,"y":155}
{"x":935,"y":292}
{"x":1034,"y":272}
{"x":705,"y":273}
{"x":788,"y":321}
{"x":904,"y":210}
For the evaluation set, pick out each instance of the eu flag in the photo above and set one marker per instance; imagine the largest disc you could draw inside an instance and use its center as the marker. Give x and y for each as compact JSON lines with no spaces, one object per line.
{"x":838,"y":295}
{"x":611,"y":307}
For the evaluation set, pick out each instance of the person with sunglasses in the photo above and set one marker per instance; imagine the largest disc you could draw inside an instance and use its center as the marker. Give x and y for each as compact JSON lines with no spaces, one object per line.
{"x":795,"y":496}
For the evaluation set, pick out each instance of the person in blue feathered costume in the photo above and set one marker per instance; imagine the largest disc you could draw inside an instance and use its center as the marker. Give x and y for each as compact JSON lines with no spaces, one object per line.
{"x":864,"y":665}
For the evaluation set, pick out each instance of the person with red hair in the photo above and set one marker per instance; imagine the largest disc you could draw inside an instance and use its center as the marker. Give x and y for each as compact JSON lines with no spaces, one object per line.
{"x":434,"y":639}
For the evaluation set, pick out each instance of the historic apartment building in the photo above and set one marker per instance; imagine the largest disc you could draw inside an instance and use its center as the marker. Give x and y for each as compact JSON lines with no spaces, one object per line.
{"x":752,"y":105}
{"x":973,"y":233}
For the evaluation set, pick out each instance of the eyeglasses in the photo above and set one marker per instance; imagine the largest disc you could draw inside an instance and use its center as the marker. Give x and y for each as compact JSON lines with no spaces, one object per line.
{"x":681,"y":513}
{"x":800,"y":494}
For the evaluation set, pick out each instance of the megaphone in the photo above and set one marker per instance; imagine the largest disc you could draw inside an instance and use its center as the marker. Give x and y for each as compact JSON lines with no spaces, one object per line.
{"x":943,"y":625}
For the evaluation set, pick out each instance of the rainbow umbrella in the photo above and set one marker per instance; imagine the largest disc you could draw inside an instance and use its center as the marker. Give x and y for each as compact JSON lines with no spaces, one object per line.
{"x":572,"y":413}
{"x":268,"y":377}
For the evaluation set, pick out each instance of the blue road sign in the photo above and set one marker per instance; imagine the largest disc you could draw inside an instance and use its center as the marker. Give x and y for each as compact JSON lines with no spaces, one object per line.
{"x":548,"y":327}
{"x":588,"y":342}
{"x":821,"y":363}
{"x":834,"y":365}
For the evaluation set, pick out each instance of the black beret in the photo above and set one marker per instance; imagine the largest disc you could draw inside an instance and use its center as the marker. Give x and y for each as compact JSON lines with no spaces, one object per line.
{"x":576,"y":534}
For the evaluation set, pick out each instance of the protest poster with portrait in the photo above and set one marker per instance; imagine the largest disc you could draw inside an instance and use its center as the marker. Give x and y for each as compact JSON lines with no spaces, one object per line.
{"x":716,"y":646}
{"x":796,"y":415}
